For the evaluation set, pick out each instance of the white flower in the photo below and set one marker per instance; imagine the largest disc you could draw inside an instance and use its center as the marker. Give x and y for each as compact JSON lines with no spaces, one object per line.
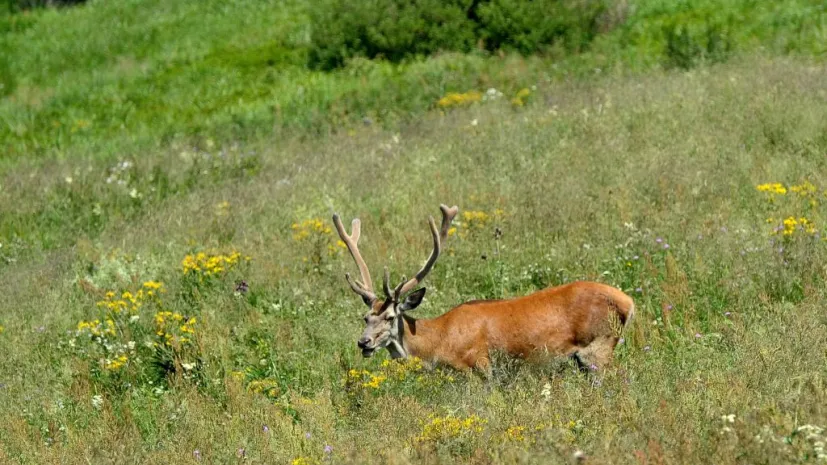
{"x":134,"y":318}
{"x":728,"y":418}
{"x":188,"y":366}
{"x":131,"y":345}
{"x":546,"y":392}
{"x":97,"y":401}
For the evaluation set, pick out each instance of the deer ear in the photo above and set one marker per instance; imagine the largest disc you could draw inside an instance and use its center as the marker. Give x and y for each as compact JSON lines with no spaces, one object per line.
{"x":413,"y":300}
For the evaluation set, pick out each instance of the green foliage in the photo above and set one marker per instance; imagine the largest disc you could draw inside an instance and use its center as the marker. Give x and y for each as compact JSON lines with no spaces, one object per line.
{"x":389,"y":29}
{"x":531,"y":27}
{"x":665,"y":190}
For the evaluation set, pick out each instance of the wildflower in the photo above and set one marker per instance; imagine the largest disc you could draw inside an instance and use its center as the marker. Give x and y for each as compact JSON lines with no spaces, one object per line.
{"x":515,"y":433}
{"x":647,"y":348}
{"x":698,"y":335}
{"x":301,"y":461}
{"x":772,"y":188}
{"x":196,"y":454}
{"x":265,"y":429}
{"x":727,"y":314}
{"x":97,"y":401}
{"x":328,"y":449}
{"x":453,"y":99}
{"x":728,"y":418}
{"x":440,"y":428}
{"x":621,"y":341}
{"x":307,"y":435}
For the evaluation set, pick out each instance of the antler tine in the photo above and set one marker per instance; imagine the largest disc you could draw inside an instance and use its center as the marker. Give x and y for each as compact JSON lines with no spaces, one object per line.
{"x":448,"y":214}
{"x":386,"y":283}
{"x":413,"y":282}
{"x":365,"y":287}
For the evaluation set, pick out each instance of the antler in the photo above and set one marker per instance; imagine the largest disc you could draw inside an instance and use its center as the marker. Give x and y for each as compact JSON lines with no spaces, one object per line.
{"x":365,"y":287}
{"x":439,"y":237}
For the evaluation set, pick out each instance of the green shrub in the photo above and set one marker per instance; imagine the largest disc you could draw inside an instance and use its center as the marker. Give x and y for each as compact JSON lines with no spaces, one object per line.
{"x":390,"y":29}
{"x":396,"y":29}
{"x":529,"y":27}
{"x":696,"y":36}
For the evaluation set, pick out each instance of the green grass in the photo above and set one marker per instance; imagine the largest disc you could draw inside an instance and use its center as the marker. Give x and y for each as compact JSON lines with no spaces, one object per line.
{"x":136,"y":133}
{"x":589,"y":174}
{"x":112,"y":78}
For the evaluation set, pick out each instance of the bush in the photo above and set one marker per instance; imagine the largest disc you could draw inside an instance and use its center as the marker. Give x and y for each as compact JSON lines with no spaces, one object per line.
{"x":529,"y":27}
{"x":390,"y":29}
{"x":398,"y":29}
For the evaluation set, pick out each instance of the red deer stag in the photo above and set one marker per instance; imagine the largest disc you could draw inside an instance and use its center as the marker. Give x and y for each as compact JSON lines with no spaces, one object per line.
{"x":581,"y":319}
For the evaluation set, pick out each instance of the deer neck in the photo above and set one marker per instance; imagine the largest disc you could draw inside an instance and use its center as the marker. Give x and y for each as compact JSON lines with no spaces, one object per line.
{"x":418,"y":338}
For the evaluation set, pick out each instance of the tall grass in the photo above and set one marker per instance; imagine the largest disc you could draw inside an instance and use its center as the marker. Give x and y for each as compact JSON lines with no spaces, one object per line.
{"x":586,"y":179}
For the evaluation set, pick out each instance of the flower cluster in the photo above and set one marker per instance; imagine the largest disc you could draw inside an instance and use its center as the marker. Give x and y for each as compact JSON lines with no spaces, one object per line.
{"x":321,"y":238}
{"x":772,"y":188}
{"x":520,"y":99}
{"x":95,"y":328}
{"x":204,"y":265}
{"x":454,"y":99}
{"x":439,"y":429}
{"x":397,"y":371}
{"x":174,"y":328}
{"x":129,"y":301}
{"x":792,"y":225}
{"x":797,"y":198}
{"x":308,"y":228}
{"x":266,"y":386}
{"x":474,"y":220}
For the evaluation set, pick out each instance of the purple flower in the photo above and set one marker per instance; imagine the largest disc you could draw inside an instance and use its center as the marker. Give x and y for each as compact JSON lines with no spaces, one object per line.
{"x":196,"y":454}
{"x":328,"y":449}
{"x":593,"y":367}
{"x":621,"y":341}
{"x":307,"y":435}
{"x":669,"y":307}
{"x":647,"y":348}
{"x":658,"y":240}
{"x":265,"y":428}
{"x":242,"y":453}
{"x":665,"y":246}
{"x":698,"y":335}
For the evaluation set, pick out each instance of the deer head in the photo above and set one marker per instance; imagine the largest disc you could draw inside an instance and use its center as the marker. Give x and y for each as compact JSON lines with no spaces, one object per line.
{"x":383,"y":321}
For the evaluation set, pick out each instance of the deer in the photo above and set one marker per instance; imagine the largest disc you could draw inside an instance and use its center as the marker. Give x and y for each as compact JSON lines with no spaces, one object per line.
{"x":582,"y":320}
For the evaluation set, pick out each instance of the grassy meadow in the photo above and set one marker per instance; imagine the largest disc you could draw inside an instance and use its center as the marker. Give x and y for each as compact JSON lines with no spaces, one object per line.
{"x":174,"y":291}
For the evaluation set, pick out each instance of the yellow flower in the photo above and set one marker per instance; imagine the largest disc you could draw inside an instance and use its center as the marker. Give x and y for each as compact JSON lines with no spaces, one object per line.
{"x":440,"y":428}
{"x":515,"y":433}
{"x":772,"y":188}
{"x":452,"y":99}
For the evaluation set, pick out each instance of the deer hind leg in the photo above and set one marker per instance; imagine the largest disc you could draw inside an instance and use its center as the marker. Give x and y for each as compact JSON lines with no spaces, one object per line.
{"x":598,"y":354}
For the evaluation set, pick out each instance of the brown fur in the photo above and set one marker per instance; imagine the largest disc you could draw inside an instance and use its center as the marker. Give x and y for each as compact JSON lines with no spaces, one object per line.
{"x":572,"y":319}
